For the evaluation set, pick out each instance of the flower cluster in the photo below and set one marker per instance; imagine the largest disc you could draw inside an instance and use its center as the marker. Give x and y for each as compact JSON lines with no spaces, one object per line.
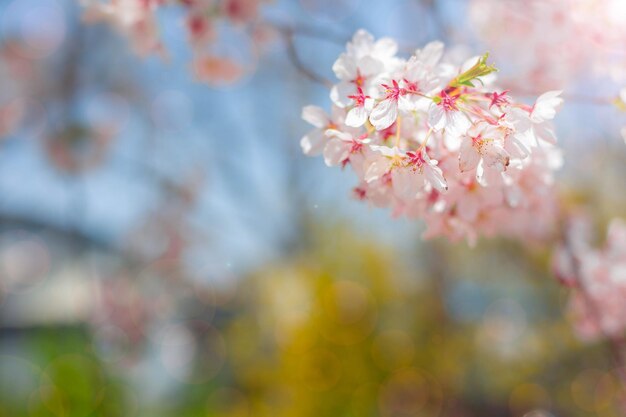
{"x":432,"y":140}
{"x":138,"y":21}
{"x":598,"y":277}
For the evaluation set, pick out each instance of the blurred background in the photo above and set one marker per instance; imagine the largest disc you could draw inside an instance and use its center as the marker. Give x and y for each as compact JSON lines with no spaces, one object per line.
{"x":165,"y":249}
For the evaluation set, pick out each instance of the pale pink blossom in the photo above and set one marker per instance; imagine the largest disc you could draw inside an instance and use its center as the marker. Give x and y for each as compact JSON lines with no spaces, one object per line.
{"x":386,"y":111}
{"x":360,"y":110}
{"x":314,"y":142}
{"x":445,"y":114}
{"x":546,"y":106}
{"x":341,"y":147}
{"x":484,"y":143}
{"x":597,"y":278}
{"x":361,"y":66}
{"x":216,"y":70}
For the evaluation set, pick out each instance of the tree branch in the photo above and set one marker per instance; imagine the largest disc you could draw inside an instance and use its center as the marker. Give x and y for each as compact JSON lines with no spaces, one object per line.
{"x":288,"y":34}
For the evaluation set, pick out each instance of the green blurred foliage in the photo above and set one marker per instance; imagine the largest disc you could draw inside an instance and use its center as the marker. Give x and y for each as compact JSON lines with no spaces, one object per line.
{"x":347,"y":327}
{"x":56,"y":373}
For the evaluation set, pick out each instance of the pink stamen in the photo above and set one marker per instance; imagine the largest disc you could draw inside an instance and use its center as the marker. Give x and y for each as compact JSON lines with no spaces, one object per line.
{"x":477,"y":141}
{"x":359,"y":98}
{"x":411,"y":87}
{"x":392,"y":91}
{"x":448,"y":102}
{"x":499,"y":99}
{"x":356,"y":147}
{"x":416,"y":159}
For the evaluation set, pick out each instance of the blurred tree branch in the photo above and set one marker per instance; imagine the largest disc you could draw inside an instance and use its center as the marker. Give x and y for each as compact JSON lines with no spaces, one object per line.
{"x":288,"y":34}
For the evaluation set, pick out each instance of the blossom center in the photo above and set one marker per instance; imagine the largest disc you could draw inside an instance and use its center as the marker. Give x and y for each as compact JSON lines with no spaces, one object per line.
{"x":448,"y":102}
{"x":392,"y":91}
{"x":359,"y":80}
{"x":359,"y":98}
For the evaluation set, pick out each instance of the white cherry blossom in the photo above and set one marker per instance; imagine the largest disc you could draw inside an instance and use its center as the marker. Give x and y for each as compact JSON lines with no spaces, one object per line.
{"x":432,"y":140}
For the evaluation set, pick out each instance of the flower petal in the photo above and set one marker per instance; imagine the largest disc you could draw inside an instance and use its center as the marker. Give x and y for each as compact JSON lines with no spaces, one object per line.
{"x":335,"y":152}
{"x":468,"y":156}
{"x":339,"y":93}
{"x":435,"y":177}
{"x":546,"y":106}
{"x":313,"y":143}
{"x":437,"y":117}
{"x":356,"y":117}
{"x":315,"y":115}
{"x":377,"y":168}
{"x":384,"y":114}
{"x":406,"y":183}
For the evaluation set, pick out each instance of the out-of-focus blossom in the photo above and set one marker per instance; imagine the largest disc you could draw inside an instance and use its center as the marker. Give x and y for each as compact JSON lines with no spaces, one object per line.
{"x":434,"y":140}
{"x":598,"y":279}
{"x":561,"y":39}
{"x":138,"y":21}
{"x":11,"y":114}
{"x":240,"y":11}
{"x":135,"y":19}
{"x":213,"y":69}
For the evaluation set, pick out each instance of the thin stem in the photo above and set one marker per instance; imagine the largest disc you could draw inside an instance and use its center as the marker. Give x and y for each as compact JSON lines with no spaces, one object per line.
{"x":428,"y":134}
